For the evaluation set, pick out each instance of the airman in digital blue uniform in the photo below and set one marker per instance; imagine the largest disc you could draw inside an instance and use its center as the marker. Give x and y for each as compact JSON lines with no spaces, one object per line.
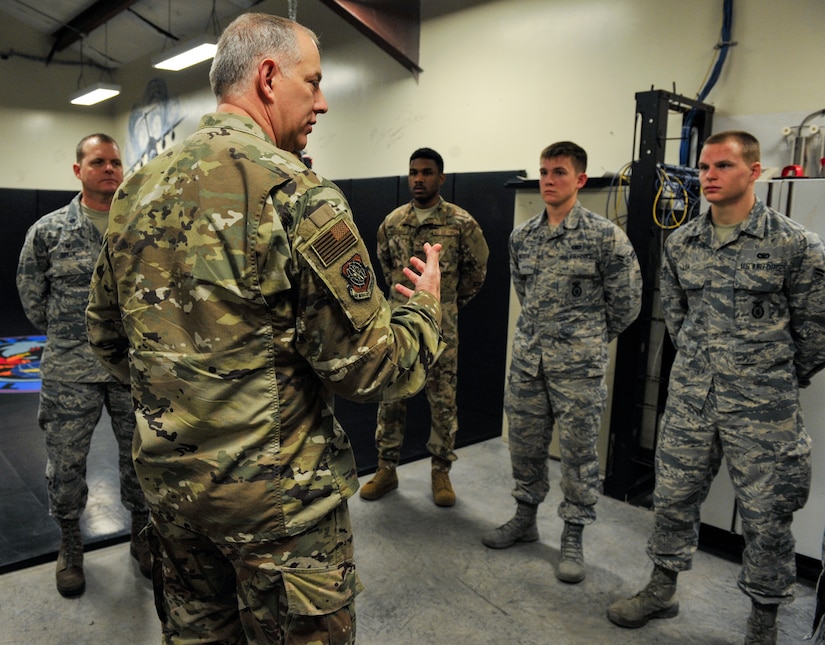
{"x":743,"y":296}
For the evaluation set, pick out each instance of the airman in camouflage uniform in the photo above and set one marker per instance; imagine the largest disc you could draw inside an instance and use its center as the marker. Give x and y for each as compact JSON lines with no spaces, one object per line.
{"x":579,"y":284}
{"x":743,"y":296}
{"x":236,"y":290}
{"x":53,"y":275}
{"x":463,"y":260}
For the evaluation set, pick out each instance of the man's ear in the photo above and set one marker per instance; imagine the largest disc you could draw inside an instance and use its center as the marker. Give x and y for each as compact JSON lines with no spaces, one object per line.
{"x":756,"y":170}
{"x":268,"y":71}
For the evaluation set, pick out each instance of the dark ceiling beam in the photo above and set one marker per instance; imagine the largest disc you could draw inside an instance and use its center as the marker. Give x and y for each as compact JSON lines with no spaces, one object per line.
{"x":85,"y":22}
{"x":392,"y":25}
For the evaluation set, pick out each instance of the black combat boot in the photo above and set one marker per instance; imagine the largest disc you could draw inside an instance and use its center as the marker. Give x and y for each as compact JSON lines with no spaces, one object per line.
{"x":69,"y":571}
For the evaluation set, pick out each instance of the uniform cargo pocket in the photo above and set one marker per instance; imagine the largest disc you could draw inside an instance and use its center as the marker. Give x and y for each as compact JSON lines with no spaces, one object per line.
{"x":316,"y":592}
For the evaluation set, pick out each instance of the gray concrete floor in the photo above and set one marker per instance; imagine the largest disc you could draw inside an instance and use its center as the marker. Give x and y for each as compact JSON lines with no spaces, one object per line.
{"x":430,"y":581}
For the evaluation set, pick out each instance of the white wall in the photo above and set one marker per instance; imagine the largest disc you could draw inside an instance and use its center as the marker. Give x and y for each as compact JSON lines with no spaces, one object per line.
{"x":501,"y":79}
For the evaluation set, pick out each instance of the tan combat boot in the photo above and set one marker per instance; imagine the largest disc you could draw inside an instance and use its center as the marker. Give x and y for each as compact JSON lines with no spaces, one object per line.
{"x":571,"y":558}
{"x":521,"y":528}
{"x":385,"y":480}
{"x":762,"y":628}
{"x":139,"y":545}
{"x":656,"y":600}
{"x":443,"y":494}
{"x":69,"y":571}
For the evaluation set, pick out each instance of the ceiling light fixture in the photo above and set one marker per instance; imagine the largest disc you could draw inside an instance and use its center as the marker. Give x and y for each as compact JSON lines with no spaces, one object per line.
{"x":95,"y":94}
{"x":98,"y":91}
{"x":188,"y":54}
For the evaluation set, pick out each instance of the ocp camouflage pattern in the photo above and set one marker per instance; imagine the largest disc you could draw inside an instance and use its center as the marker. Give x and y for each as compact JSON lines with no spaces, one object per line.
{"x":235,"y":285}
{"x":463,"y":264}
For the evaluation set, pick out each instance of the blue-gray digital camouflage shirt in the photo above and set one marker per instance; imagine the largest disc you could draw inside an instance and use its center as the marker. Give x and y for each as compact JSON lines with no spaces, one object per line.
{"x":53,"y":275}
{"x":747,"y":316}
{"x":579,"y":286}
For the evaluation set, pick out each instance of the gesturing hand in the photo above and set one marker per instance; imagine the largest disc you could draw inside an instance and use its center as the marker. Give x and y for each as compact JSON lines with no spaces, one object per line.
{"x":428,"y":277}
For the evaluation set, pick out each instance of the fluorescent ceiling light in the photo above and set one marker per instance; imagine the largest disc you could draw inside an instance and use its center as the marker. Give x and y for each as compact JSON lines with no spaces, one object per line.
{"x":95,"y":94}
{"x":187,"y":54}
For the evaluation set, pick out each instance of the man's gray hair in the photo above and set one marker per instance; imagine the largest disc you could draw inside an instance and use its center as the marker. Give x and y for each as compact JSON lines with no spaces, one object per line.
{"x":248,"y":39}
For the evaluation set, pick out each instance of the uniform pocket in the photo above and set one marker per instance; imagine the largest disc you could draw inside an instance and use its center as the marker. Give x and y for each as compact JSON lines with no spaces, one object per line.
{"x":316,"y":592}
{"x":792,"y":474}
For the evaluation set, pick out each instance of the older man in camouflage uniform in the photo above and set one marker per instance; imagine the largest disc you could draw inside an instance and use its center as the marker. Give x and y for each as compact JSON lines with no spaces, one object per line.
{"x":53,"y":276}
{"x":236,"y":289}
{"x":464,"y":253}
{"x":579,"y":284}
{"x":743,"y":296}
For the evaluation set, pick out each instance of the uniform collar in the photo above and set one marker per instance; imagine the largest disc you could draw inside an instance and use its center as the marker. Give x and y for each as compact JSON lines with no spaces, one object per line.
{"x":571,"y":221}
{"x":754,"y":225}
{"x":439,"y":215}
{"x":232,"y":121}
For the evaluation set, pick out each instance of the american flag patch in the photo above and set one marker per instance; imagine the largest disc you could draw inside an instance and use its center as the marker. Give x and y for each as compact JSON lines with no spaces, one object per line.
{"x":330,"y":245}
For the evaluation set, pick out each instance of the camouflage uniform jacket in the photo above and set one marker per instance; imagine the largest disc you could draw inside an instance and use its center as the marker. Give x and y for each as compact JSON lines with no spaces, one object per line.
{"x":464,"y":251}
{"x":56,"y":265}
{"x":579,"y":287}
{"x":746,"y":316}
{"x":235,"y":286}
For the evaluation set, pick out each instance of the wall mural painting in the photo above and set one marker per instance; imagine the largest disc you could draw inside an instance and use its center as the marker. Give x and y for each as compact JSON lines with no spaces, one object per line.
{"x":152,"y":124}
{"x":20,"y":364}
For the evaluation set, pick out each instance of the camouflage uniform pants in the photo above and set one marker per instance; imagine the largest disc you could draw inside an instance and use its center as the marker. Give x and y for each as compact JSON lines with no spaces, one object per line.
{"x":295,"y":591}
{"x":441,"y":395}
{"x":576,"y":405}
{"x":68,"y":415}
{"x":767,"y":451}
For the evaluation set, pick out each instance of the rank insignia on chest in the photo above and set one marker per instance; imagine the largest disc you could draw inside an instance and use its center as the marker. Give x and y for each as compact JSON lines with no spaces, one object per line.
{"x":358,"y":277}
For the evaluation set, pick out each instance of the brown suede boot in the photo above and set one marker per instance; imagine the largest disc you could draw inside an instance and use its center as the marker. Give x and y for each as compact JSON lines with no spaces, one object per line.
{"x":69,"y":571}
{"x":443,"y":494}
{"x":139,"y":546}
{"x":385,"y":480}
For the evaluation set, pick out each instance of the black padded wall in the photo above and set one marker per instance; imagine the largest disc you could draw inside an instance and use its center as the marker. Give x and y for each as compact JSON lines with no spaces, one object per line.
{"x":20,"y":209}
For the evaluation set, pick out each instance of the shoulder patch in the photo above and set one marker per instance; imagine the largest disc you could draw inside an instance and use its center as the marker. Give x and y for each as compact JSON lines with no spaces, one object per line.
{"x":358,"y":277}
{"x":331,"y":244}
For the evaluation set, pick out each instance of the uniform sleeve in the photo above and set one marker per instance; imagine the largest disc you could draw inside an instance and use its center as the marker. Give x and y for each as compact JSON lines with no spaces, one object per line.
{"x":383,"y":252}
{"x":673,"y":297}
{"x":515,"y":275}
{"x":473,"y":267}
{"x":345,"y":329}
{"x":806,"y":301}
{"x":622,"y":285}
{"x":32,"y":283}
{"x":104,"y":326}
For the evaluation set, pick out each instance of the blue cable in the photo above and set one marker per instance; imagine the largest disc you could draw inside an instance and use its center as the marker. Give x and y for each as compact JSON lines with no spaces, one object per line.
{"x":723,"y":46}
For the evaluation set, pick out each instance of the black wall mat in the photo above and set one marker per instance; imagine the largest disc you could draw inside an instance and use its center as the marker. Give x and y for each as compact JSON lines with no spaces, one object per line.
{"x":20,"y":209}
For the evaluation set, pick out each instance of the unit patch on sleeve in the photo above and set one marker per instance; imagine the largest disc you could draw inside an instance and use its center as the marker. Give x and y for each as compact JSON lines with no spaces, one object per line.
{"x":358,"y":277}
{"x":331,"y":244}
